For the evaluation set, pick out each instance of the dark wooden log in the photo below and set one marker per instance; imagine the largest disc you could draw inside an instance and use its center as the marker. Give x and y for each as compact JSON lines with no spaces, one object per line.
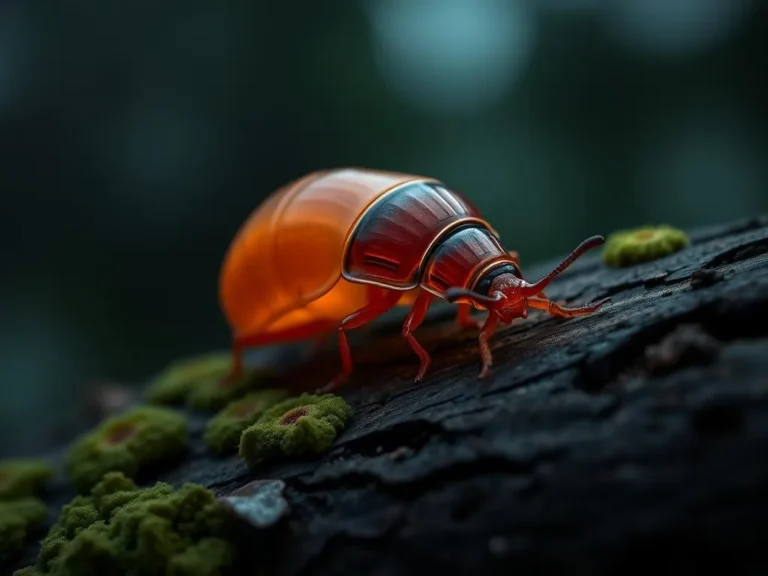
{"x":634,"y":440}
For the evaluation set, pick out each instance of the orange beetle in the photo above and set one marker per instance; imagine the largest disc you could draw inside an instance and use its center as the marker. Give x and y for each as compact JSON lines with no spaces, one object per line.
{"x":335,"y":249}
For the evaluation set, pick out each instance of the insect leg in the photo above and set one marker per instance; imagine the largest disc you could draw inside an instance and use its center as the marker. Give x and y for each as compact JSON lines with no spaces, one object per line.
{"x":242,"y":342}
{"x":236,"y":369}
{"x":485,"y":350}
{"x":412,"y":321}
{"x":380,"y":300}
{"x":465,"y":319}
{"x":557,"y":310}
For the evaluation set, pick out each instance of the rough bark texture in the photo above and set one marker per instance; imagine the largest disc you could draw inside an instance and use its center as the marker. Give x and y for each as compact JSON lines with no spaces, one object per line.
{"x":631,"y":440}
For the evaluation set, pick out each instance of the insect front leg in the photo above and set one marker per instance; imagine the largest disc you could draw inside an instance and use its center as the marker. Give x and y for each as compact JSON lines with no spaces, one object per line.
{"x":486,"y":333}
{"x":380,"y":301}
{"x":412,"y":321}
{"x":557,"y":310}
{"x":465,"y":320}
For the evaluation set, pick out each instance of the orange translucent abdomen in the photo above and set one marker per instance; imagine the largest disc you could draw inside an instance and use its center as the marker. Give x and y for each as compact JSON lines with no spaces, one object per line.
{"x":283,"y":269}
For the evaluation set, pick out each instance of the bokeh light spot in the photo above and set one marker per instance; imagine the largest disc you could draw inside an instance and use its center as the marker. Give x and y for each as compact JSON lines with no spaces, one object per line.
{"x":451,"y":56}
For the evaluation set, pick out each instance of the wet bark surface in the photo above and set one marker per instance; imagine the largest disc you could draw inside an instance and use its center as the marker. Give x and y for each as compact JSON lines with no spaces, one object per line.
{"x":635,"y":439}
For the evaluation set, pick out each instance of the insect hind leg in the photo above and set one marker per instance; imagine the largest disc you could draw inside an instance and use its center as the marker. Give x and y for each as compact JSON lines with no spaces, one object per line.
{"x":241,"y":342}
{"x":380,"y":300}
{"x":412,"y":321}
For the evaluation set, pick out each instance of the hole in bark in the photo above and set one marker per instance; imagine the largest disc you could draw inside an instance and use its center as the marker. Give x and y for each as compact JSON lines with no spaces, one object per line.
{"x":687,"y":345}
{"x":705,"y":277}
{"x":687,"y":340}
{"x":414,"y":435}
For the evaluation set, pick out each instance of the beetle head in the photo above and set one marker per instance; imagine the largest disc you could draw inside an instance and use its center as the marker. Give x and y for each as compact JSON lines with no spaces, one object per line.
{"x":506,"y":296}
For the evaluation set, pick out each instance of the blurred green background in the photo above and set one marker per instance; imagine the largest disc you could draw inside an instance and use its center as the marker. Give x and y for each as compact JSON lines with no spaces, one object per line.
{"x":137,"y":136}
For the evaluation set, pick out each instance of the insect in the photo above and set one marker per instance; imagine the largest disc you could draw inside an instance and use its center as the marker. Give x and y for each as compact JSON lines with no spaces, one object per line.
{"x":335,"y":249}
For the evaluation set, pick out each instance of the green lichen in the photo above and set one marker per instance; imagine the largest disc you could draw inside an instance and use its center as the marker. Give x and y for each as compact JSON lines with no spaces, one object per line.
{"x":19,"y":518}
{"x":199,"y":382}
{"x":628,"y":247}
{"x":173,"y":384}
{"x":222,"y":433}
{"x":120,"y":529}
{"x":127,"y":443}
{"x":300,"y":425}
{"x":23,"y":477}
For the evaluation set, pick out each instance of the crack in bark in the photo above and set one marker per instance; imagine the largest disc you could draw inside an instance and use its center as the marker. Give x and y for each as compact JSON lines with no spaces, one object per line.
{"x":411,"y":487}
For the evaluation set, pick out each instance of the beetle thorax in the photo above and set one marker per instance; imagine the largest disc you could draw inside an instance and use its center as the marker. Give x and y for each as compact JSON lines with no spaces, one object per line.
{"x":470,"y":257}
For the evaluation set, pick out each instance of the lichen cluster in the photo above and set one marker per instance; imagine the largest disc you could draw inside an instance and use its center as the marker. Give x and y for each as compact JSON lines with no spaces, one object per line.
{"x":301,"y":425}
{"x":120,"y":528}
{"x":114,"y":527}
{"x":127,"y":443}
{"x":222,"y":433}
{"x":200,"y":383}
{"x":21,"y":510}
{"x":23,"y":477}
{"x":628,"y":247}
{"x":18,"y":519}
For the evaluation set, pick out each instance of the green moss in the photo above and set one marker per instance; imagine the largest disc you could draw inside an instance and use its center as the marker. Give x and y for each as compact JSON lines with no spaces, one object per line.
{"x":23,"y":477}
{"x":300,"y":425}
{"x":127,"y":443}
{"x":122,"y":529}
{"x":222,"y":433}
{"x":628,"y":247}
{"x":173,"y":384}
{"x":199,"y":382}
{"x":18,"y":518}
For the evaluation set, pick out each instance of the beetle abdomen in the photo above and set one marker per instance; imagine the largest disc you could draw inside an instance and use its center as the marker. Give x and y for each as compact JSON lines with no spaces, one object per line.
{"x":283,"y":269}
{"x":393,"y":239}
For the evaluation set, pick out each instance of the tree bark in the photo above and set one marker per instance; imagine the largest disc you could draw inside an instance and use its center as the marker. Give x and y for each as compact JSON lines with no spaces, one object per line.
{"x":630,"y":440}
